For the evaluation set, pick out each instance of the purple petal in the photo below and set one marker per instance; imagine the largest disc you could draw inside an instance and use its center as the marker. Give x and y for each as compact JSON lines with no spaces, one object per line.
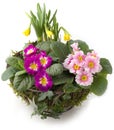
{"x":39,"y":85}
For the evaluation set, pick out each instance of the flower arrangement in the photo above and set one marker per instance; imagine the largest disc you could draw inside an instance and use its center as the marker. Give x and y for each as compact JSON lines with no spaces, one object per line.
{"x":53,"y":75}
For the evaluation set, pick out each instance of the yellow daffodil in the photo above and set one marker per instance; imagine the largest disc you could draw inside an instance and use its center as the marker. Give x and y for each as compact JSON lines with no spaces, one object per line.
{"x":66,"y":36}
{"x":27,"y":32}
{"x":49,"y":33}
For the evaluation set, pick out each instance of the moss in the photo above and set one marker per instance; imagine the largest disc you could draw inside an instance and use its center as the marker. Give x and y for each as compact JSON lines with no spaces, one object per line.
{"x":57,"y":105}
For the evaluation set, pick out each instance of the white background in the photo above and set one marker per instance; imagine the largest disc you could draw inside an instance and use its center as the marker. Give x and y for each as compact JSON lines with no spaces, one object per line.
{"x":88,"y":20}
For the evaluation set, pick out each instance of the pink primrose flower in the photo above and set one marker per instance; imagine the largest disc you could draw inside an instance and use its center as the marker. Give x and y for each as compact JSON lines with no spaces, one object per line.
{"x":92,"y":64}
{"x":84,"y":78}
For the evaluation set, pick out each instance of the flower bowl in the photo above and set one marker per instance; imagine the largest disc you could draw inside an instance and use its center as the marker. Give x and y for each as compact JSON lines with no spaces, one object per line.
{"x":54,"y":75}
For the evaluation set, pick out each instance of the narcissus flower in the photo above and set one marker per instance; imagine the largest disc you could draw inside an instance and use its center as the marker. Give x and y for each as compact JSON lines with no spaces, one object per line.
{"x":43,"y":81}
{"x":84,"y":78}
{"x":66,"y":36}
{"x":49,"y":33}
{"x":32,"y":64}
{"x":27,"y":32}
{"x":31,"y":49}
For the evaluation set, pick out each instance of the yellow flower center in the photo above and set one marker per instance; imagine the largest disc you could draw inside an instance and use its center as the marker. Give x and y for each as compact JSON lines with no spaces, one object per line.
{"x":84,"y":77}
{"x":66,"y":37}
{"x":76,"y":67}
{"x":29,"y":51}
{"x":33,"y":66}
{"x":27,"y":32}
{"x":43,"y":61}
{"x":43,"y":81}
{"x":80,"y":58}
{"x":91,"y":64}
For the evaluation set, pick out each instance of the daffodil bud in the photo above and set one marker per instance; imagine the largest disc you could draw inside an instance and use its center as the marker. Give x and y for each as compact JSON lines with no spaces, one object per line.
{"x":66,"y":36}
{"x":27,"y":32}
{"x":49,"y":33}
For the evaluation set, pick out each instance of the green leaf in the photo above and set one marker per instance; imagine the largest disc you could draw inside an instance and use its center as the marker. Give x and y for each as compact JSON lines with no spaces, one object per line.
{"x":15,"y":62}
{"x":70,"y":88}
{"x":53,"y":56}
{"x":23,"y":82}
{"x":48,"y":15}
{"x":39,"y":14}
{"x":44,"y":16}
{"x":36,"y":24}
{"x":20,"y":72}
{"x":55,"y":69}
{"x":54,"y":15}
{"x":69,"y":43}
{"x":8,"y":73}
{"x":107,"y":68}
{"x":60,"y":50}
{"x":42,"y":107}
{"x":66,"y":97}
{"x":58,"y":107}
{"x":62,"y":79}
{"x":33,"y":16}
{"x":99,"y":85}
{"x":44,"y":46}
{"x":43,"y":96}
{"x":83,"y":46}
{"x":55,"y":30}
{"x":102,"y":74}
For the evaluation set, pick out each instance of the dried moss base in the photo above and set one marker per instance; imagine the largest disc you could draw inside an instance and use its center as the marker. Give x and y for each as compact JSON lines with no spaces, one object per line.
{"x":55,"y":106}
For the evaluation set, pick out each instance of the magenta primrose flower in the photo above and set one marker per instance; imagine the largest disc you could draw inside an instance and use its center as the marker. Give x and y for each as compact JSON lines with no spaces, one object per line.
{"x":36,"y":63}
{"x":32,"y":64}
{"x":45,"y":60}
{"x":31,"y":49}
{"x":43,"y":81}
